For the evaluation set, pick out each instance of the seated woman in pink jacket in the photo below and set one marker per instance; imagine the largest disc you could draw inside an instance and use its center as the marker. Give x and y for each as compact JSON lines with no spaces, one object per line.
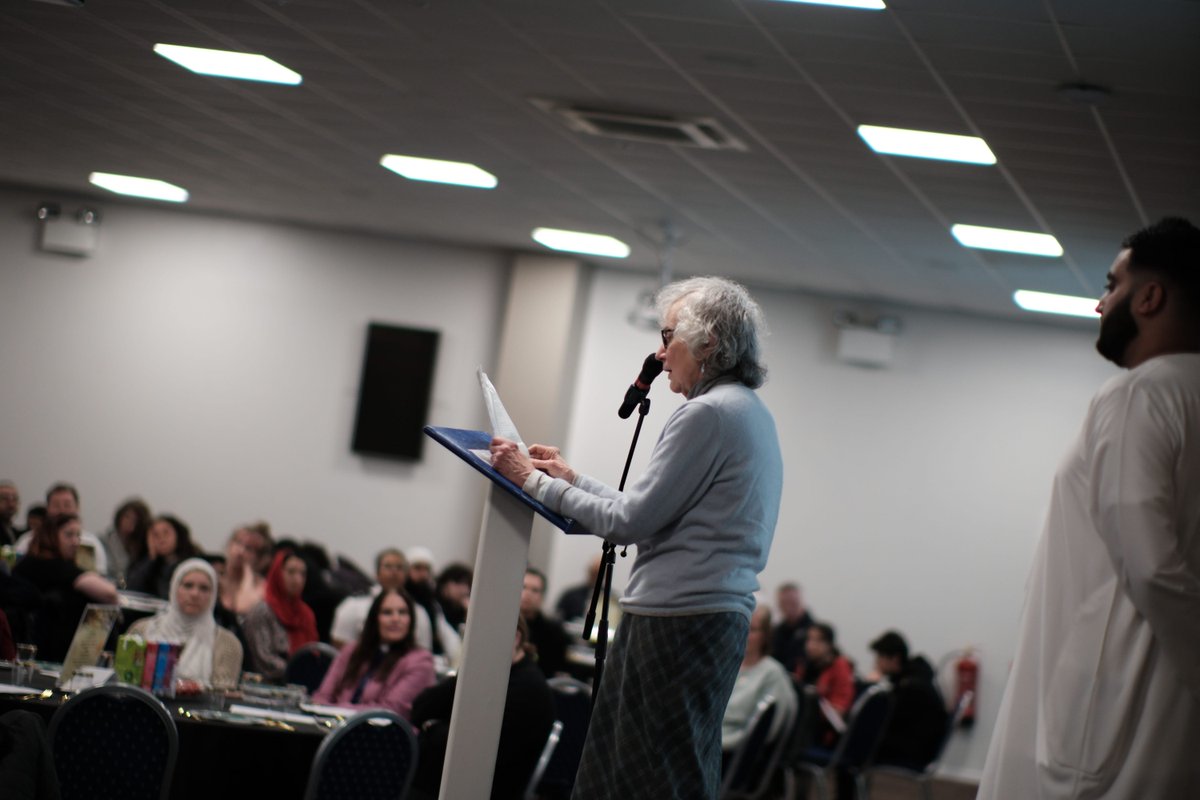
{"x":384,"y":668}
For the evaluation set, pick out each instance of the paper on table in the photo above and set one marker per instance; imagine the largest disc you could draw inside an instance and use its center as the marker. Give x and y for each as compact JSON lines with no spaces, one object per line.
{"x":502,"y":424}
{"x":328,"y":711}
{"x":270,"y":713}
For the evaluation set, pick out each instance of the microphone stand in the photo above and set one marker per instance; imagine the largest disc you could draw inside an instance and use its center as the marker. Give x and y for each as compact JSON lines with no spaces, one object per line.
{"x":608,"y":557}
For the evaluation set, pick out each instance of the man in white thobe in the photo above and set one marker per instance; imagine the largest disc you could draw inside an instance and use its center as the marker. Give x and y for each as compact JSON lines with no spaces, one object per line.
{"x":1104,"y":696}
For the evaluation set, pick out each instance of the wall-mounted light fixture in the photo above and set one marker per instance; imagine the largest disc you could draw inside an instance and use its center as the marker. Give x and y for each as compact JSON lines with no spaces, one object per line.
{"x":866,"y":340}
{"x":73,"y":234}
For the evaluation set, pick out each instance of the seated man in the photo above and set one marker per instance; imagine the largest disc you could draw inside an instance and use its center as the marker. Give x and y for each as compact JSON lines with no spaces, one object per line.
{"x":790,"y":637}
{"x":919,"y":718}
{"x":832,"y":676}
{"x":391,"y":571}
{"x":759,"y":676}
{"x":545,"y":633}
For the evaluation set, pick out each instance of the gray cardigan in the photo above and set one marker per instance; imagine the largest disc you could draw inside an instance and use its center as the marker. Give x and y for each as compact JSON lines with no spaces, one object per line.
{"x":702,"y":515}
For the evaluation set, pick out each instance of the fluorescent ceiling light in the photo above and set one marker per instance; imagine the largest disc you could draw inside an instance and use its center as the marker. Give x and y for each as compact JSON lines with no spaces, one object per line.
{"x":576,"y":242}
{"x":1035,"y":244}
{"x":870,"y":5}
{"x":925,"y":144}
{"x":139,"y":187}
{"x":228,"y":64}
{"x":457,"y":173}
{"x":1056,"y":303}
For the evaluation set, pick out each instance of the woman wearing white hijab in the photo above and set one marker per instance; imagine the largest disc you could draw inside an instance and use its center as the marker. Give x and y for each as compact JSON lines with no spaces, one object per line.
{"x":211,"y":654}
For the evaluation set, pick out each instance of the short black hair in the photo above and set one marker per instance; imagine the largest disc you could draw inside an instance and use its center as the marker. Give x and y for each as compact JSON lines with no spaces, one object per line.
{"x":537,"y":573}
{"x":1170,"y":247}
{"x":62,"y":486}
{"x":891,"y":643}
{"x":454,"y":573}
{"x":827,"y":632}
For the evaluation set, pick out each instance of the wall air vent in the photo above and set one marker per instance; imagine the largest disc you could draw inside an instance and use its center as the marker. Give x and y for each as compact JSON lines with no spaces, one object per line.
{"x":703,"y":132}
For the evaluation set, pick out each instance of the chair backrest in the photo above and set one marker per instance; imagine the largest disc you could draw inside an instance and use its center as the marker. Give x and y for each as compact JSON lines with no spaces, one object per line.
{"x":572,"y":707}
{"x":960,"y":709}
{"x":745,"y":762}
{"x":370,"y":758}
{"x":865,"y":726}
{"x":308,"y":665}
{"x":548,"y":749}
{"x":114,"y":741}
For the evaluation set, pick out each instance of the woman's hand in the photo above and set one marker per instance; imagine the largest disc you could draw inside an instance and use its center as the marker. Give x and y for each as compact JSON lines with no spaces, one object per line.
{"x":550,"y":461}
{"x":509,"y":461}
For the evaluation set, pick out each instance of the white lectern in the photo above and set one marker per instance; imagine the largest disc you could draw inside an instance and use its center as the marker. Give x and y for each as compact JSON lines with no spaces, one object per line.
{"x":492,"y":622}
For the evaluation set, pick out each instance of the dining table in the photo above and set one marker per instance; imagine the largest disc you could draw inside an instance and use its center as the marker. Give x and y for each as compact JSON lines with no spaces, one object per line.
{"x":229,"y":747}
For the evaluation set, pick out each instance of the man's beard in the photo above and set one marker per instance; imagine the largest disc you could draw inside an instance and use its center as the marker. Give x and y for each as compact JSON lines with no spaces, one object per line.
{"x":1117,"y":329}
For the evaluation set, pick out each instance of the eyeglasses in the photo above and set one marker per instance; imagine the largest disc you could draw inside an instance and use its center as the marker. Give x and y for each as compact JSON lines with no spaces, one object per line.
{"x":667,"y":335}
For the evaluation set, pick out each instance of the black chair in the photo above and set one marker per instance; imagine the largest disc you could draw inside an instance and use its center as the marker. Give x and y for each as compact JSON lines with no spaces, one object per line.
{"x":371,"y":758}
{"x":308,"y":665}
{"x":922,"y":775}
{"x":114,"y":741}
{"x":747,"y":762}
{"x":865,"y":726}
{"x":539,"y":769}
{"x":572,"y":707}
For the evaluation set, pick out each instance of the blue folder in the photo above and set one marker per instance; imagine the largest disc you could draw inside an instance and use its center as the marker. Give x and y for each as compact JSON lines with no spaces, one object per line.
{"x":461,"y":442}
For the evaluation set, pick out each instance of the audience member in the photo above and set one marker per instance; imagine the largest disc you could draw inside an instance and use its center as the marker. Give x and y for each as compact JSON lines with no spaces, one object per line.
{"x":19,"y":599}
{"x":528,"y":717}
{"x":125,"y":542}
{"x":282,"y":623}
{"x":546,"y":634}
{"x":65,"y":588}
{"x":789,"y":640}
{"x":8,"y":647}
{"x":63,"y":498}
{"x":918,"y":722}
{"x":321,"y":592}
{"x":832,"y":676}
{"x":242,"y":583}
{"x":391,"y":570}
{"x":574,"y":601}
{"x":453,"y":594}
{"x":760,"y":675}
{"x":168,"y":542}
{"x":211,"y":654}
{"x":10,"y":504}
{"x":385,"y":668}
{"x":35,"y":517}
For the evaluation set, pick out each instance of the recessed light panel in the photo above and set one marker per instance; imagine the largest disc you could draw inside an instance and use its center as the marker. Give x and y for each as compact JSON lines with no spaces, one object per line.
{"x":1034,"y":244}
{"x":139,"y":187}
{"x":228,"y":64}
{"x":595,"y":244}
{"x":870,"y":5}
{"x":457,"y":173}
{"x":1047,"y":303}
{"x":926,"y":144}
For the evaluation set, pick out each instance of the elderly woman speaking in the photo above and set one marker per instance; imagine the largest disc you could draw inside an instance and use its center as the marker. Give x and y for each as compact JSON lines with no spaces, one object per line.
{"x":702,"y":517}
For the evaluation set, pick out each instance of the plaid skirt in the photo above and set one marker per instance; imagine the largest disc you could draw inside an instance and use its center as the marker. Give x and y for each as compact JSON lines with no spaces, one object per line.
{"x":656,"y":728}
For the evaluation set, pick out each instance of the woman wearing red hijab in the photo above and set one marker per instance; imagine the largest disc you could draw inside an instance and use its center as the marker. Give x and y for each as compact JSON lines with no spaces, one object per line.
{"x":282,"y":623}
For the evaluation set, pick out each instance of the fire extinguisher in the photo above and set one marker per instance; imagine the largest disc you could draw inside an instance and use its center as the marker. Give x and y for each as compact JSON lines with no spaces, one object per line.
{"x":966,"y":679}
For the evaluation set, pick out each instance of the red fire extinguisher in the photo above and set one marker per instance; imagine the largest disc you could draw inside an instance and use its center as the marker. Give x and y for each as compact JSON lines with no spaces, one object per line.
{"x":966,"y":679}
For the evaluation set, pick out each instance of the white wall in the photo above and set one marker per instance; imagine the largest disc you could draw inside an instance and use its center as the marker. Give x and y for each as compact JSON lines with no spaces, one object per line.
{"x":212,"y":366}
{"x":913,"y":495}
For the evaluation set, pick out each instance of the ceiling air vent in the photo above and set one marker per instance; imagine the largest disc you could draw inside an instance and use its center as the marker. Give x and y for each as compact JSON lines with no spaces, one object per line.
{"x":702,"y":132}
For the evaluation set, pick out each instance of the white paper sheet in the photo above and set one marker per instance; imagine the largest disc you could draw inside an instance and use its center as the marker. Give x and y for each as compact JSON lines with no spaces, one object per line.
{"x":502,"y":424}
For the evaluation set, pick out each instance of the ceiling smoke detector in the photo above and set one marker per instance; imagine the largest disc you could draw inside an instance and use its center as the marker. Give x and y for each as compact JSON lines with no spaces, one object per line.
{"x":702,"y":132}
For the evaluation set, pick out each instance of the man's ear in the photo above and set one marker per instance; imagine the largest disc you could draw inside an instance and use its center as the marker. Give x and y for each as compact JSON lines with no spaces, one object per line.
{"x":1150,"y":298}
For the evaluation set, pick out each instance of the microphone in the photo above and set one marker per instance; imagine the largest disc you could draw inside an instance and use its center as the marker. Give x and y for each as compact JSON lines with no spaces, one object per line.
{"x":636,"y":392}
